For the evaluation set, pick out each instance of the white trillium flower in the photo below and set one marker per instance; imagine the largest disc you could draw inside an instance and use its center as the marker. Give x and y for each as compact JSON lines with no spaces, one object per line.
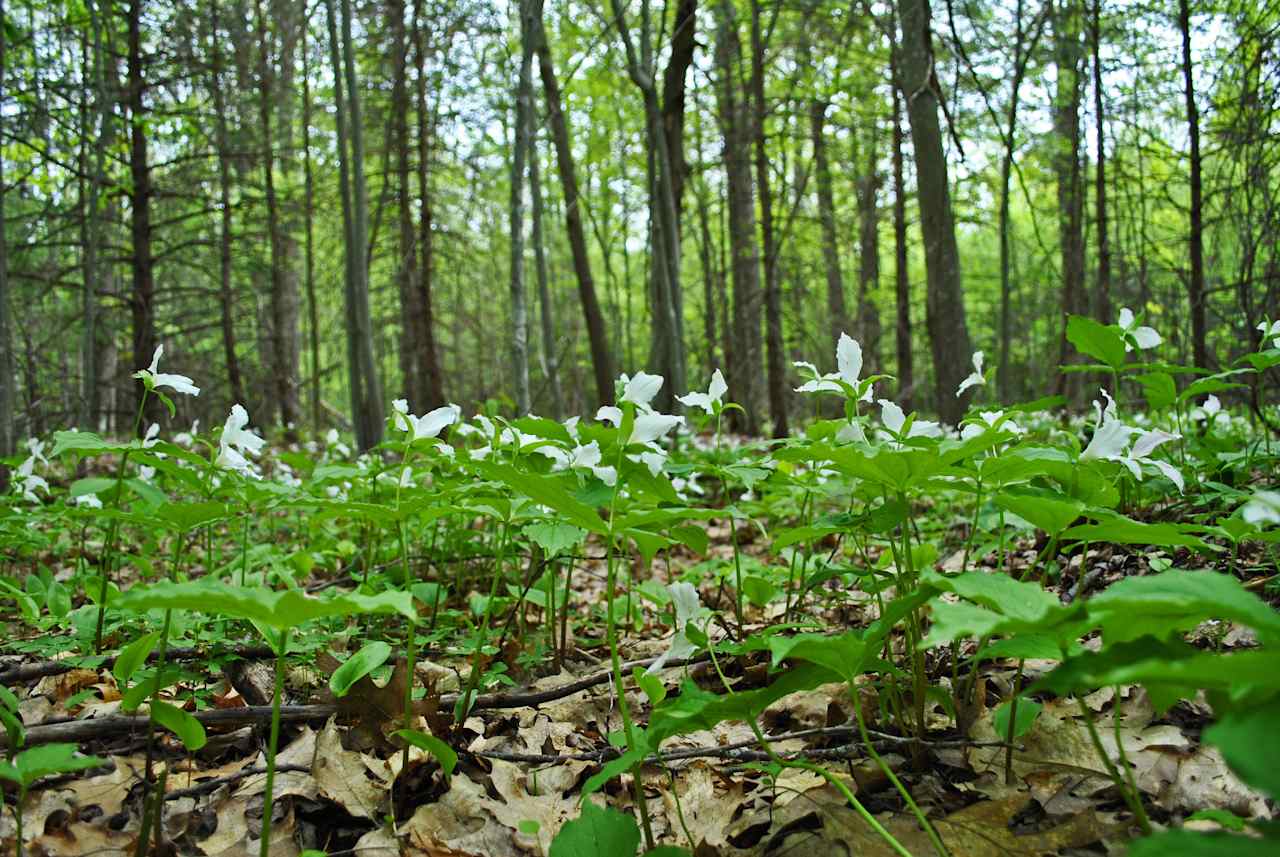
{"x":236,"y":440}
{"x":976,"y":378}
{"x":155,"y":379}
{"x":851,"y":432}
{"x":894,"y":419}
{"x":610,"y":414}
{"x":26,"y":481}
{"x":709,"y":401}
{"x":36,"y":449}
{"x":1142,"y":337}
{"x":641,"y":389}
{"x":649,"y":427}
{"x":988,"y":420}
{"x":1270,"y":333}
{"x":88,"y":501}
{"x":688,"y":608}
{"x":1263,"y":507}
{"x":152,"y":437}
{"x":429,"y":425}
{"x":1111,"y":438}
{"x":1211,"y":412}
{"x":848,"y":368}
{"x":654,"y":459}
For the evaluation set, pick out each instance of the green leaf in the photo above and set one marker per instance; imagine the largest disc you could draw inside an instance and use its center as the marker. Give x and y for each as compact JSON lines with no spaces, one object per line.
{"x":277,"y":610}
{"x":189,"y":730}
{"x":133,"y":656}
{"x":1186,"y":843}
{"x":555,"y":537}
{"x":652,"y":686}
{"x":1028,"y":711}
{"x":1117,"y":528}
{"x":370,"y":657}
{"x":82,"y":441}
{"x":668,"y":851}
{"x":597,"y":833}
{"x":1096,"y":339}
{"x":1159,"y":389}
{"x":46,"y":760}
{"x":439,"y":750}
{"x":759,"y":590}
{"x":1178,"y":601}
{"x":1053,"y":514}
{"x":1247,"y":739}
{"x":91,"y":485}
{"x":546,"y":490}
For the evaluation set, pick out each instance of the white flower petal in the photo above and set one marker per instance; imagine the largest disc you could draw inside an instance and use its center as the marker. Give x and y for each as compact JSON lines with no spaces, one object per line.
{"x":892,"y":416}
{"x":849,"y":359}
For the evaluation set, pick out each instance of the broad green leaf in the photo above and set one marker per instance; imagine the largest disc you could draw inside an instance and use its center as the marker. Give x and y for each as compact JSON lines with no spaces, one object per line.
{"x":133,"y":656}
{"x":843,"y":655}
{"x":82,"y":441}
{"x":1097,"y":340}
{"x":651,"y":685}
{"x":189,"y":730}
{"x":439,"y":750}
{"x":277,"y":610}
{"x":546,"y":490}
{"x":370,"y":657}
{"x":91,"y":485}
{"x":597,"y":833}
{"x":555,"y":537}
{"x":46,"y":760}
{"x":1178,"y":601}
{"x":1247,"y":739}
{"x":1117,"y":528}
{"x":1187,"y":843}
{"x":1028,"y":711}
{"x":1053,"y":514}
{"x":1159,"y":389}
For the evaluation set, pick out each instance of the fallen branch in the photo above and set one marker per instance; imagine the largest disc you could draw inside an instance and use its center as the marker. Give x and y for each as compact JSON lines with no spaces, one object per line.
{"x":105,"y":727}
{"x":43,"y":669}
{"x":210,"y":786}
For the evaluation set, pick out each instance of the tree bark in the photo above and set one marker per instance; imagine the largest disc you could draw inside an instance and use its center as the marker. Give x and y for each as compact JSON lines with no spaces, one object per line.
{"x":744,"y":368}
{"x":308,"y":215}
{"x":837,"y":312}
{"x":142,"y":298}
{"x":902,"y":277}
{"x":601,"y":359}
{"x":944,"y":305}
{"x":91,"y":396}
{"x":519,"y":309}
{"x":867,"y":191}
{"x":1066,"y":164}
{"x":407,"y":272}
{"x":776,"y":372}
{"x":1195,"y":238}
{"x":550,"y":359}
{"x":430,"y":391}
{"x":226,"y":299}
{"x":1100,"y":170}
{"x":7,"y":439}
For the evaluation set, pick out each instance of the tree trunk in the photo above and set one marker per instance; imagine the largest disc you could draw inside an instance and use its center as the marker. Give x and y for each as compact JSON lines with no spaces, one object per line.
{"x":407,"y":239}
{"x":1100,"y":170}
{"x":550,"y":359}
{"x":226,"y":299}
{"x":837,"y":313}
{"x":868,"y":188}
{"x":520,"y":149}
{"x":7,"y":439}
{"x":309,"y":267}
{"x":1066,"y":164}
{"x":776,"y":371}
{"x":683,"y":44}
{"x":1195,"y":283}
{"x":602,"y":362}
{"x":430,"y":391}
{"x":142,"y":299}
{"x":902,"y":280}
{"x":944,"y":304}
{"x":91,"y":397}
{"x":744,"y":368}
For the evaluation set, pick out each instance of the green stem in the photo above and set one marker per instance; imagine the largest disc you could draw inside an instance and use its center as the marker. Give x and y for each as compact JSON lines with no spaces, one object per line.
{"x":109,"y":559}
{"x":264,"y":849}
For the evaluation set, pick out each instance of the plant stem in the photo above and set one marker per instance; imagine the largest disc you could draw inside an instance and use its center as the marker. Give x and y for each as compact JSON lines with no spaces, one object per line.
{"x":264,"y":849}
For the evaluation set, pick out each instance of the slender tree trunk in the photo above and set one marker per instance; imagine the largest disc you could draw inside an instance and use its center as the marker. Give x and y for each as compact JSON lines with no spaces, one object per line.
{"x":602,"y":361}
{"x":1067,"y":55}
{"x":837,"y":312}
{"x":550,"y":359}
{"x":519,"y":309}
{"x":902,"y":277}
{"x":1100,"y":170}
{"x":226,"y":298}
{"x":868,"y":188}
{"x":142,"y":299}
{"x":430,"y":390}
{"x":91,"y":398}
{"x":744,"y":368}
{"x":407,"y":272}
{"x":944,"y":305}
{"x":683,"y":44}
{"x":1195,"y":283}
{"x":308,"y":214}
{"x":776,"y":370}
{"x":7,"y":377}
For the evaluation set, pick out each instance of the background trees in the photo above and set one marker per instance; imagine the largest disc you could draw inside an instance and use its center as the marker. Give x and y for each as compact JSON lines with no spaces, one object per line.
{"x":313,"y":204}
